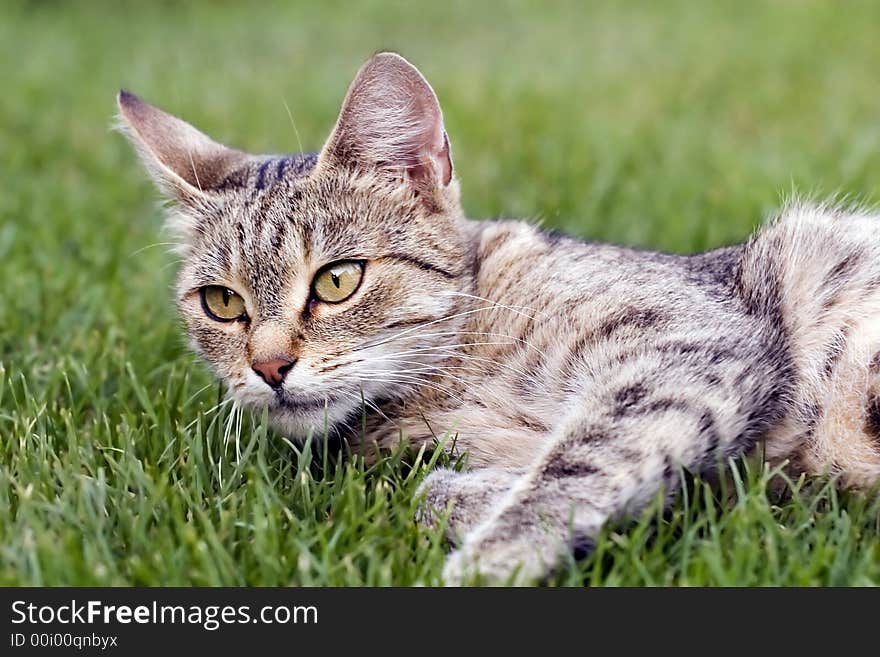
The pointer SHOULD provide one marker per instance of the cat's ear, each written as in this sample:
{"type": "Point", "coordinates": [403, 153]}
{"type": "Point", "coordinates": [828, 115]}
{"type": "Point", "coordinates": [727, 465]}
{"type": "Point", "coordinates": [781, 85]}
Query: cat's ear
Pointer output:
{"type": "Point", "coordinates": [186, 164]}
{"type": "Point", "coordinates": [391, 120]}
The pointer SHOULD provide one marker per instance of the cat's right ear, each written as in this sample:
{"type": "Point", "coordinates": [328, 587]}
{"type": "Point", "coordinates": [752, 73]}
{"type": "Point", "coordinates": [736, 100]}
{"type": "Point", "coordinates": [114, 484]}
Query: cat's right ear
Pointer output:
{"type": "Point", "coordinates": [186, 164]}
{"type": "Point", "coordinates": [391, 122]}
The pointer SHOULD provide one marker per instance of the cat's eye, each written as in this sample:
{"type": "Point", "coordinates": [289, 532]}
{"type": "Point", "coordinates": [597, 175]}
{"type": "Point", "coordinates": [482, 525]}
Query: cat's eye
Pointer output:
{"type": "Point", "coordinates": [338, 281]}
{"type": "Point", "coordinates": [222, 304]}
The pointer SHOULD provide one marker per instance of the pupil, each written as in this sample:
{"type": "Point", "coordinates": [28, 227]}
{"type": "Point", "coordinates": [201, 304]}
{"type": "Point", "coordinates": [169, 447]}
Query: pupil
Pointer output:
{"type": "Point", "coordinates": [335, 279]}
{"type": "Point", "coordinates": [225, 297]}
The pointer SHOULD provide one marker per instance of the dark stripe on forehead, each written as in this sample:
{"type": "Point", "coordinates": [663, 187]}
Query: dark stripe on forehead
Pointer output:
{"type": "Point", "coordinates": [261, 174]}
{"type": "Point", "coordinates": [267, 283]}
{"type": "Point", "coordinates": [279, 232]}
{"type": "Point", "coordinates": [304, 162]}
{"type": "Point", "coordinates": [239, 230]}
{"type": "Point", "coordinates": [417, 262]}
{"type": "Point", "coordinates": [300, 164]}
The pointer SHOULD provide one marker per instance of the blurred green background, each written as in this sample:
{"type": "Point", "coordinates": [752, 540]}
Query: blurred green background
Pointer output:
{"type": "Point", "coordinates": [675, 125]}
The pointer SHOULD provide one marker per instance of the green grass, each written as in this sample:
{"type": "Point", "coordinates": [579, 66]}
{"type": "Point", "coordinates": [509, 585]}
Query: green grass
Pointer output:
{"type": "Point", "coordinates": [669, 125]}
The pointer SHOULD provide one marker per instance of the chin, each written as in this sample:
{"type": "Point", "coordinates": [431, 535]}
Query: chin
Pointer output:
{"type": "Point", "coordinates": [297, 415]}
{"type": "Point", "coordinates": [317, 422]}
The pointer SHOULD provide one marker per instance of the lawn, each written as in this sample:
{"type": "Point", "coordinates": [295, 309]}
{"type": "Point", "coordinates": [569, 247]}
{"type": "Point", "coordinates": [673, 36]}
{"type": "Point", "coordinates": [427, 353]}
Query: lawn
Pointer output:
{"type": "Point", "coordinates": [674, 125]}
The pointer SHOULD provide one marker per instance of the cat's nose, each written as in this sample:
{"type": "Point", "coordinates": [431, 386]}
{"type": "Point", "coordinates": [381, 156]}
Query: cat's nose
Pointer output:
{"type": "Point", "coordinates": [274, 370]}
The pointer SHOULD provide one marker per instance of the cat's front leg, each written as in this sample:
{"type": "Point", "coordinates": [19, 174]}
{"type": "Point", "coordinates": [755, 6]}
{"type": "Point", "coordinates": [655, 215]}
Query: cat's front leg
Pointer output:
{"type": "Point", "coordinates": [463, 499]}
{"type": "Point", "coordinates": [601, 464]}
{"type": "Point", "coordinates": [546, 516]}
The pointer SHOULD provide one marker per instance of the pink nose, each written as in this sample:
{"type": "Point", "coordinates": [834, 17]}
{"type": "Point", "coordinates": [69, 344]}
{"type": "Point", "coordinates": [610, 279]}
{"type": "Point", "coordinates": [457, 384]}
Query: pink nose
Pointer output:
{"type": "Point", "coordinates": [274, 370]}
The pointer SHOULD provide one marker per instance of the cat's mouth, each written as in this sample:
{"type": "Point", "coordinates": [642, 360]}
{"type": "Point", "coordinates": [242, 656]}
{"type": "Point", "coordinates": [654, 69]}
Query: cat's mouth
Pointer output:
{"type": "Point", "coordinates": [293, 402]}
{"type": "Point", "coordinates": [304, 415]}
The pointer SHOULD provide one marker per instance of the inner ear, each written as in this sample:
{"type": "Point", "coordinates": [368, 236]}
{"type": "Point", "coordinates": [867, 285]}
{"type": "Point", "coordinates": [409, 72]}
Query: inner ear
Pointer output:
{"type": "Point", "coordinates": [184, 161]}
{"type": "Point", "coordinates": [391, 120]}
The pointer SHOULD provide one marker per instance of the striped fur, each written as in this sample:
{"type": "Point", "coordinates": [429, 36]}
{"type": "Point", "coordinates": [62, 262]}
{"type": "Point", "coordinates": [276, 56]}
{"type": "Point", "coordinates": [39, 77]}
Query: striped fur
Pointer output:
{"type": "Point", "coordinates": [580, 378]}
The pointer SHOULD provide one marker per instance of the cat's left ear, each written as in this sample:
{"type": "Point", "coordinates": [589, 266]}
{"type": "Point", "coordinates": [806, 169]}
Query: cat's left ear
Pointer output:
{"type": "Point", "coordinates": [186, 164]}
{"type": "Point", "coordinates": [391, 121]}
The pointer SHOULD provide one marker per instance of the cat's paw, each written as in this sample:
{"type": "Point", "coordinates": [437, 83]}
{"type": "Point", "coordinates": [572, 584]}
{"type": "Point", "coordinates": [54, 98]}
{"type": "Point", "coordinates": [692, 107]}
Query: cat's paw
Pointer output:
{"type": "Point", "coordinates": [438, 492]}
{"type": "Point", "coordinates": [463, 499]}
{"type": "Point", "coordinates": [504, 564]}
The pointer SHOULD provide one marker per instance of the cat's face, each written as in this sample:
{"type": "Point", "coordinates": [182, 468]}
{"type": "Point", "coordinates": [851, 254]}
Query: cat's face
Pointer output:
{"type": "Point", "coordinates": [315, 284]}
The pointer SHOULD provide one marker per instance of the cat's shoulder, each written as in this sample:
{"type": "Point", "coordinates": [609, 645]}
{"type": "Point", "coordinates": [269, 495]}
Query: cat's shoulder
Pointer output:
{"type": "Point", "coordinates": [512, 237]}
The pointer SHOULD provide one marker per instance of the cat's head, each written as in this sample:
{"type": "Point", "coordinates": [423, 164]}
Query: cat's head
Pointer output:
{"type": "Point", "coordinates": [315, 283]}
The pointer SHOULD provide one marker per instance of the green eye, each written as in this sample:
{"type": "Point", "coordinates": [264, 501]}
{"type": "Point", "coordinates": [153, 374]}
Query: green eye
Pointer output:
{"type": "Point", "coordinates": [338, 281]}
{"type": "Point", "coordinates": [222, 304]}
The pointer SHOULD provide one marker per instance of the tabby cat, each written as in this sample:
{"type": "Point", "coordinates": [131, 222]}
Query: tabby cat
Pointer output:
{"type": "Point", "coordinates": [346, 292]}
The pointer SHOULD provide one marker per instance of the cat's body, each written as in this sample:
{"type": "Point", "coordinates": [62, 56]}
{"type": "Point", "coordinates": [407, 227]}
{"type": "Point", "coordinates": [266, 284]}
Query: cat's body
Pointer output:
{"type": "Point", "coordinates": [579, 378]}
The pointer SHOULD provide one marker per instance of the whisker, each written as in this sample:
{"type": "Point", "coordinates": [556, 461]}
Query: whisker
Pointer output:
{"type": "Point", "coordinates": [459, 356]}
{"type": "Point", "coordinates": [362, 398]}
{"type": "Point", "coordinates": [240, 419]}
{"type": "Point", "coordinates": [515, 309]}
{"type": "Point", "coordinates": [416, 350]}
{"type": "Point", "coordinates": [426, 324]}
{"type": "Point", "coordinates": [152, 246]}
{"type": "Point", "coordinates": [213, 409]}
{"type": "Point", "coordinates": [485, 333]}
{"type": "Point", "coordinates": [195, 173]}
{"type": "Point", "coordinates": [412, 373]}
{"type": "Point", "coordinates": [292, 123]}
{"type": "Point", "coordinates": [336, 365]}
{"type": "Point", "coordinates": [418, 381]}
{"type": "Point", "coordinates": [439, 372]}
{"type": "Point", "coordinates": [444, 350]}
{"type": "Point", "coordinates": [170, 264]}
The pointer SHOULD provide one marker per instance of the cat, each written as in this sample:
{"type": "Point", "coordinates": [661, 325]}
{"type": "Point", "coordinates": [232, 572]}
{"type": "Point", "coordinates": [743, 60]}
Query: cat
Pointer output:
{"type": "Point", "coordinates": [346, 292]}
